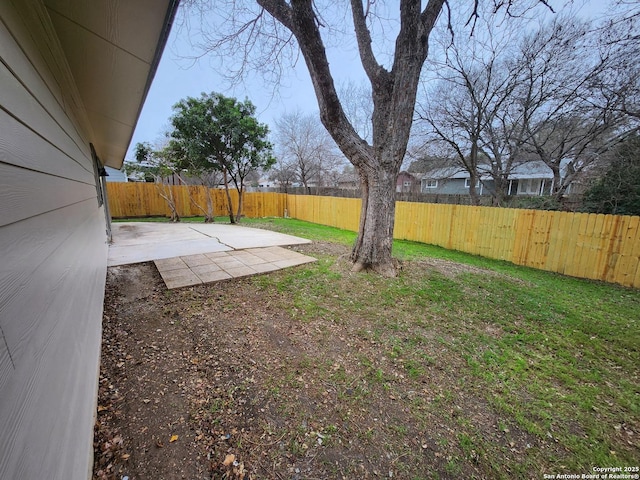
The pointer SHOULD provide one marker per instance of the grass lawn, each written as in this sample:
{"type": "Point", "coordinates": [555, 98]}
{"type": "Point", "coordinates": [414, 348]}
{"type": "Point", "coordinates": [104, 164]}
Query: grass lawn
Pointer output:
{"type": "Point", "coordinates": [482, 368]}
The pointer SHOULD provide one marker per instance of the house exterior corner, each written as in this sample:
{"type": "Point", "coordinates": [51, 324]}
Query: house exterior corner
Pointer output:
{"type": "Point", "coordinates": [53, 225]}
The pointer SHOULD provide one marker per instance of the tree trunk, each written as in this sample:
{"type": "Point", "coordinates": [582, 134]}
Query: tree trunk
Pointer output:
{"type": "Point", "coordinates": [558, 187]}
{"type": "Point", "coordinates": [208, 212]}
{"type": "Point", "coordinates": [175, 216]}
{"type": "Point", "coordinates": [166, 192]}
{"type": "Point", "coordinates": [372, 250]}
{"type": "Point", "coordinates": [473, 192]}
{"type": "Point", "coordinates": [500, 190]}
{"type": "Point", "coordinates": [240, 202]}
{"type": "Point", "coordinates": [229, 204]}
{"type": "Point", "coordinates": [211, 214]}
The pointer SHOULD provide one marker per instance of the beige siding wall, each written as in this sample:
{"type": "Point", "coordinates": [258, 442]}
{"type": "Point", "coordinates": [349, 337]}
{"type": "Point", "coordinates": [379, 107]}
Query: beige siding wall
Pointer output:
{"type": "Point", "coordinates": [53, 250]}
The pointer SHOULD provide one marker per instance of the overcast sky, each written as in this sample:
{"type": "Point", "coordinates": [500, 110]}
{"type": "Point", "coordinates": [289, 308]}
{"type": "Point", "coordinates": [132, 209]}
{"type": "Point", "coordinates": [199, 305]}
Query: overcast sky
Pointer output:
{"type": "Point", "coordinates": [177, 78]}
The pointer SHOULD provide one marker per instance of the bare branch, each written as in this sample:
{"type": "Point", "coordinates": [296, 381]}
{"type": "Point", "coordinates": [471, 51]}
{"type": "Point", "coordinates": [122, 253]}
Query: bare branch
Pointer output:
{"type": "Point", "coordinates": [371, 66]}
{"type": "Point", "coordinates": [301, 19]}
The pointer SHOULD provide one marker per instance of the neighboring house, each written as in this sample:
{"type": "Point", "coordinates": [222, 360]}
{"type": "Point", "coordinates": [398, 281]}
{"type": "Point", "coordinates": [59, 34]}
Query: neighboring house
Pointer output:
{"type": "Point", "coordinates": [262, 184]}
{"type": "Point", "coordinates": [115, 175]}
{"type": "Point", "coordinates": [265, 182]}
{"type": "Point", "coordinates": [450, 181]}
{"type": "Point", "coordinates": [531, 178]}
{"type": "Point", "coordinates": [407, 182]}
{"type": "Point", "coordinates": [135, 171]}
{"type": "Point", "coordinates": [73, 77]}
{"type": "Point", "coordinates": [348, 181]}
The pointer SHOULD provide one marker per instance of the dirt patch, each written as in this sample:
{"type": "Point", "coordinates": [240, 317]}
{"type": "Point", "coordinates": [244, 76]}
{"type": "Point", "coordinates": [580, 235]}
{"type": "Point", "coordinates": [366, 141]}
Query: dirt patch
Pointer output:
{"type": "Point", "coordinates": [143, 426]}
{"type": "Point", "coordinates": [230, 381]}
{"type": "Point", "coordinates": [448, 268]}
{"type": "Point", "coordinates": [323, 248]}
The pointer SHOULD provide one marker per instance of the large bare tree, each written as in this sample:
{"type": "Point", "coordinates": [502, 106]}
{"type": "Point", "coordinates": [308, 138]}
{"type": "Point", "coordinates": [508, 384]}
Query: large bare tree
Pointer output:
{"type": "Point", "coordinates": [471, 88]}
{"type": "Point", "coordinates": [394, 94]}
{"type": "Point", "coordinates": [561, 94]}
{"type": "Point", "coordinates": [562, 88]}
{"type": "Point", "coordinates": [467, 111]}
{"type": "Point", "coordinates": [618, 47]}
{"type": "Point", "coordinates": [303, 23]}
{"type": "Point", "coordinates": [303, 142]}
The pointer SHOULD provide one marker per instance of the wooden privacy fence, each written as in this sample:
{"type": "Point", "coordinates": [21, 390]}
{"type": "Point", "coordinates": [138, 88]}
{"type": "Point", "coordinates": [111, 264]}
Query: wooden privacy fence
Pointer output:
{"type": "Point", "coordinates": [586, 245]}
{"type": "Point", "coordinates": [136, 199]}
{"type": "Point", "coordinates": [599, 247]}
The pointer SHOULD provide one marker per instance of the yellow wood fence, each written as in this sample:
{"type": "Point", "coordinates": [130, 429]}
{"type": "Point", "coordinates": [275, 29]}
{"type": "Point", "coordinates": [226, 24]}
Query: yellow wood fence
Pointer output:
{"type": "Point", "coordinates": [599, 247]}
{"type": "Point", "coordinates": [136, 199]}
{"type": "Point", "coordinates": [586, 245]}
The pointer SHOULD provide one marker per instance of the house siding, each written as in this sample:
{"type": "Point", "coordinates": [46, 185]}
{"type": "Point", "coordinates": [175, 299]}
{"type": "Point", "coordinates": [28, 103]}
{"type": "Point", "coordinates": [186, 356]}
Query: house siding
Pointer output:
{"type": "Point", "coordinates": [447, 186]}
{"type": "Point", "coordinates": [54, 251]}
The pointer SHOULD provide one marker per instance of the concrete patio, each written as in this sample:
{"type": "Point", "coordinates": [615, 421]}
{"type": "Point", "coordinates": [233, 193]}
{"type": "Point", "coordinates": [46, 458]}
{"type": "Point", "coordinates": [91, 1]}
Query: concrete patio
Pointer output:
{"type": "Point", "coordinates": [190, 254]}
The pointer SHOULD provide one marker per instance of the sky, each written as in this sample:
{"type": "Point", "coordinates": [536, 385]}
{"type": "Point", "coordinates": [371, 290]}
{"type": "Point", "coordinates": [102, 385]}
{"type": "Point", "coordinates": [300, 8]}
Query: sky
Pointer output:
{"type": "Point", "coordinates": [178, 77]}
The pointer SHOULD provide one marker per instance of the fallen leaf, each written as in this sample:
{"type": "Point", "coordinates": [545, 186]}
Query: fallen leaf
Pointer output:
{"type": "Point", "coordinates": [229, 459]}
{"type": "Point", "coordinates": [125, 456]}
{"type": "Point", "coordinates": [173, 438]}
{"type": "Point", "coordinates": [101, 408]}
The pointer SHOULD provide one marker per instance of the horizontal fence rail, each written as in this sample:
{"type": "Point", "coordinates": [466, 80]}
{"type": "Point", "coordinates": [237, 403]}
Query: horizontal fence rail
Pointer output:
{"type": "Point", "coordinates": [586, 245]}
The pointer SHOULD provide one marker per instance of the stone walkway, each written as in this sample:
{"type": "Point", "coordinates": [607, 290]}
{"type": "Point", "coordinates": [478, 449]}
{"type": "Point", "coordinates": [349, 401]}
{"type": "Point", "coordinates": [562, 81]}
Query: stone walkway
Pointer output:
{"type": "Point", "coordinates": [211, 267]}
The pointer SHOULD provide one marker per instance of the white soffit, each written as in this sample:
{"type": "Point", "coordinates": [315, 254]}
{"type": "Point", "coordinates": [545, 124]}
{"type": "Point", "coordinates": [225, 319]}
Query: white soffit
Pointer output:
{"type": "Point", "coordinates": [112, 47]}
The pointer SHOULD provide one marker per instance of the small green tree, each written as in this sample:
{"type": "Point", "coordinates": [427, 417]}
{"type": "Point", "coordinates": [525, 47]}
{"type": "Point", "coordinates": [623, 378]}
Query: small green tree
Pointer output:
{"type": "Point", "coordinates": [218, 133]}
{"type": "Point", "coordinates": [618, 191]}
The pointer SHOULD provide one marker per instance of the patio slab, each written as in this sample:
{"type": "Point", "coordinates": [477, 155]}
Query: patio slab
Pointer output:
{"type": "Point", "coordinates": [222, 268]}
{"type": "Point", "coordinates": [187, 254]}
{"type": "Point", "coordinates": [135, 242]}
